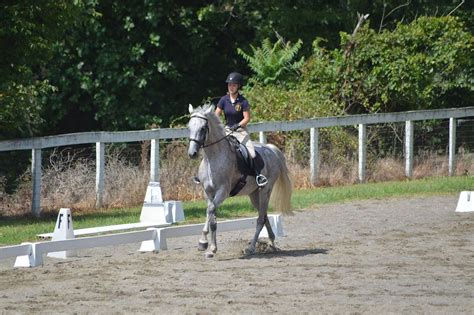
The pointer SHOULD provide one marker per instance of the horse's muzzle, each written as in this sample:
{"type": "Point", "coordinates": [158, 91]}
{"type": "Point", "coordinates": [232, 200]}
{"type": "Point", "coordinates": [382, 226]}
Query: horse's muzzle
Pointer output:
{"type": "Point", "coordinates": [193, 150]}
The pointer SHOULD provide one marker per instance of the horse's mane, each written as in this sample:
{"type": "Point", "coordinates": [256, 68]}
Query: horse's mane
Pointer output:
{"type": "Point", "coordinates": [211, 116]}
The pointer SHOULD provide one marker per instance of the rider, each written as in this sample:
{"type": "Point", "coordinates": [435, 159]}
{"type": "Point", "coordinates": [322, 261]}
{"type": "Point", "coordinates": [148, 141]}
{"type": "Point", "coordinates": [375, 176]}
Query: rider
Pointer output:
{"type": "Point", "coordinates": [236, 111]}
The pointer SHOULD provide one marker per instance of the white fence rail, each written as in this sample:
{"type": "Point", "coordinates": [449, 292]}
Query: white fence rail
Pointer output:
{"type": "Point", "coordinates": [100, 138]}
{"type": "Point", "coordinates": [152, 239]}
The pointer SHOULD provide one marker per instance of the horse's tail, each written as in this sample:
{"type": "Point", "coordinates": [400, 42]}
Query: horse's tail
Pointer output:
{"type": "Point", "coordinates": [280, 198]}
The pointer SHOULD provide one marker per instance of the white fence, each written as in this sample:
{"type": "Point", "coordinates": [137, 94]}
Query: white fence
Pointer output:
{"type": "Point", "coordinates": [101, 138]}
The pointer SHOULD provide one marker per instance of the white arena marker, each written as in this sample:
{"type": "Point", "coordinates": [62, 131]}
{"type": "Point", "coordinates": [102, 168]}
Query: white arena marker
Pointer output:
{"type": "Point", "coordinates": [153, 193]}
{"type": "Point", "coordinates": [63, 231]}
{"type": "Point", "coordinates": [154, 209]}
{"type": "Point", "coordinates": [466, 202]}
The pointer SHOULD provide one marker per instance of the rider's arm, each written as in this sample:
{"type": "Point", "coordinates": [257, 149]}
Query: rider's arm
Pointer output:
{"type": "Point", "coordinates": [218, 111]}
{"type": "Point", "coordinates": [243, 123]}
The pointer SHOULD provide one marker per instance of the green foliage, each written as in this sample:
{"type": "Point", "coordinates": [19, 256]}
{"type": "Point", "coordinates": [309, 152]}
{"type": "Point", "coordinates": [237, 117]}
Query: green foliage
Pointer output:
{"type": "Point", "coordinates": [20, 113]}
{"type": "Point", "coordinates": [421, 65]}
{"type": "Point", "coordinates": [428, 63]}
{"type": "Point", "coordinates": [27, 33]}
{"type": "Point", "coordinates": [273, 63]}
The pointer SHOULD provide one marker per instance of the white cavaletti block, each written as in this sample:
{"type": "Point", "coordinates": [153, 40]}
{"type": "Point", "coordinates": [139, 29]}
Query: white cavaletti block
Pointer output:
{"type": "Point", "coordinates": [26, 260]}
{"type": "Point", "coordinates": [466, 202]}
{"type": "Point", "coordinates": [277, 226]}
{"type": "Point", "coordinates": [175, 211]}
{"type": "Point", "coordinates": [154, 209]}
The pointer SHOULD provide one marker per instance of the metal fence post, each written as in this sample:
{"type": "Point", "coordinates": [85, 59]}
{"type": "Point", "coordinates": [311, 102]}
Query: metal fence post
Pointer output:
{"type": "Point", "coordinates": [155, 160]}
{"type": "Point", "coordinates": [362, 151]}
{"type": "Point", "coordinates": [314, 149]}
{"type": "Point", "coordinates": [99, 175]}
{"type": "Point", "coordinates": [409, 148]}
{"type": "Point", "coordinates": [36, 178]}
{"type": "Point", "coordinates": [452, 147]}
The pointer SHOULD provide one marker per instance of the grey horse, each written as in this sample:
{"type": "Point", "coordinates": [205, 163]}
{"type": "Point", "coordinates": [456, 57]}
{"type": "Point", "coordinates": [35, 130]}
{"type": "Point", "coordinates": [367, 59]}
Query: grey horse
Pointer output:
{"type": "Point", "coordinates": [219, 174]}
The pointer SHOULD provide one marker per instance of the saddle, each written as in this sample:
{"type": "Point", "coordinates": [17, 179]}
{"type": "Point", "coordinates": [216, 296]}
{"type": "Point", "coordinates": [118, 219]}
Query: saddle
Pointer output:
{"type": "Point", "coordinates": [245, 163]}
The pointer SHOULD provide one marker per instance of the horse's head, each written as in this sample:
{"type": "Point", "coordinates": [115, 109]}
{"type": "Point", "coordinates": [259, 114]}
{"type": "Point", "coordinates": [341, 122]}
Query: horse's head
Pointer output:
{"type": "Point", "coordinates": [198, 128]}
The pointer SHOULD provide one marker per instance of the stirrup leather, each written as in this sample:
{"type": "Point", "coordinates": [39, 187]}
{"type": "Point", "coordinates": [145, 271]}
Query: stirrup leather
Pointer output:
{"type": "Point", "coordinates": [261, 180]}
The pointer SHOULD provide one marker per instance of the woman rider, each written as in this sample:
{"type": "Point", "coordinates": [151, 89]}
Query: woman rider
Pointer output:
{"type": "Point", "coordinates": [236, 111]}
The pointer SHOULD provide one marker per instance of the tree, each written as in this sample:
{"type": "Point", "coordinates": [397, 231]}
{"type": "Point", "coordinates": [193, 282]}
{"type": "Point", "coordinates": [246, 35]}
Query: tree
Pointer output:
{"type": "Point", "coordinates": [27, 33]}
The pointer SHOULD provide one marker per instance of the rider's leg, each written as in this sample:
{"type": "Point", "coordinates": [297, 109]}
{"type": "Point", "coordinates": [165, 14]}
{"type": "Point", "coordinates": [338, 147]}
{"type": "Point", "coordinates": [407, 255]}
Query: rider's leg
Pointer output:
{"type": "Point", "coordinates": [257, 167]}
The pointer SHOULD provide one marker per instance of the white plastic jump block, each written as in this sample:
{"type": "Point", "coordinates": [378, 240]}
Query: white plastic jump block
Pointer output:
{"type": "Point", "coordinates": [156, 211]}
{"type": "Point", "coordinates": [466, 202]}
{"type": "Point", "coordinates": [24, 255]}
{"type": "Point", "coordinates": [162, 213]}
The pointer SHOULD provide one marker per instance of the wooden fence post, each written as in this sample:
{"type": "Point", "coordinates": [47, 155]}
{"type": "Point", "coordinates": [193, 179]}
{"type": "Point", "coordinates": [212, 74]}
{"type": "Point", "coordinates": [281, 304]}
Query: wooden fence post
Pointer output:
{"type": "Point", "coordinates": [362, 151]}
{"type": "Point", "coordinates": [36, 178]}
{"type": "Point", "coordinates": [155, 160]}
{"type": "Point", "coordinates": [314, 150]}
{"type": "Point", "coordinates": [99, 175]}
{"type": "Point", "coordinates": [409, 148]}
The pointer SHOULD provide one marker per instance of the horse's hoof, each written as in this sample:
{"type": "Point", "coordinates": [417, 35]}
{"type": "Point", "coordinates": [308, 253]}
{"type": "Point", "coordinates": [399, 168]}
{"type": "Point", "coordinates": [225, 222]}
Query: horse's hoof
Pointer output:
{"type": "Point", "coordinates": [271, 249]}
{"type": "Point", "coordinates": [249, 251]}
{"type": "Point", "coordinates": [202, 246]}
{"type": "Point", "coordinates": [209, 255]}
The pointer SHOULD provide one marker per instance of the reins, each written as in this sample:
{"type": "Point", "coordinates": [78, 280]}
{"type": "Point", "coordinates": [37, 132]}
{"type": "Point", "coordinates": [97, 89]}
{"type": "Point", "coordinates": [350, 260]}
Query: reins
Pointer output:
{"type": "Point", "coordinates": [207, 131]}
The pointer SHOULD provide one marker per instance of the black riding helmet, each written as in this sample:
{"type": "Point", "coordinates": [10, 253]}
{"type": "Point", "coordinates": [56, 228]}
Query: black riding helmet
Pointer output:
{"type": "Point", "coordinates": [235, 77]}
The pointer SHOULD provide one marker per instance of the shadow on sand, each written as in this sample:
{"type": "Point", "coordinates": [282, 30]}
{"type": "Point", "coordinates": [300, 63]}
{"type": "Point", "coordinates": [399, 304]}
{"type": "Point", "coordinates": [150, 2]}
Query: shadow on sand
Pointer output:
{"type": "Point", "coordinates": [286, 253]}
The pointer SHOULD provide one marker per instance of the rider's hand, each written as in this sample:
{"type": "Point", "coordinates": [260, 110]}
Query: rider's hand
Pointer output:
{"type": "Point", "coordinates": [234, 127]}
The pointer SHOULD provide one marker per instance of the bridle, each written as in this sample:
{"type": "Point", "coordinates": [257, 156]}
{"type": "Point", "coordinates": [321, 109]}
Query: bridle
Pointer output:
{"type": "Point", "coordinates": [206, 132]}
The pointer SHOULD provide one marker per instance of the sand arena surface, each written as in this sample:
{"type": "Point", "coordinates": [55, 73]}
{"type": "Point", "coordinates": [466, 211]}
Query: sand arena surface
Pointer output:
{"type": "Point", "coordinates": [411, 255]}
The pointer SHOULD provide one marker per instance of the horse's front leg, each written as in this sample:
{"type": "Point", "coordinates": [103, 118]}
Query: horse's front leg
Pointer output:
{"type": "Point", "coordinates": [212, 221]}
{"type": "Point", "coordinates": [203, 244]}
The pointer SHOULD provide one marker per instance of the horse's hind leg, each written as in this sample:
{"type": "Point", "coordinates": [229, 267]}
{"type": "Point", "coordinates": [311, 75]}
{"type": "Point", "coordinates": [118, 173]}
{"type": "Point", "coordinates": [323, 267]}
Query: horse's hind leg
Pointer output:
{"type": "Point", "coordinates": [260, 199]}
{"type": "Point", "coordinates": [271, 235]}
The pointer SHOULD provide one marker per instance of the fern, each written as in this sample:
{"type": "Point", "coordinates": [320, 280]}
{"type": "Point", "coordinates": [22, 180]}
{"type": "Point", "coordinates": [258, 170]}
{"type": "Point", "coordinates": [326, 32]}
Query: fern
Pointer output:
{"type": "Point", "coordinates": [272, 62]}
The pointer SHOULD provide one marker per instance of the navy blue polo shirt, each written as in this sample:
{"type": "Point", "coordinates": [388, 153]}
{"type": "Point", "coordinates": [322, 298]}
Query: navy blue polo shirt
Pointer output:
{"type": "Point", "coordinates": [233, 112]}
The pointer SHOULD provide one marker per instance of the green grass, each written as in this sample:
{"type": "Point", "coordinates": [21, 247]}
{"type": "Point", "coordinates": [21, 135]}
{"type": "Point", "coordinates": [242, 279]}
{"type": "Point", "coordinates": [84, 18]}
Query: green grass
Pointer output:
{"type": "Point", "coordinates": [14, 230]}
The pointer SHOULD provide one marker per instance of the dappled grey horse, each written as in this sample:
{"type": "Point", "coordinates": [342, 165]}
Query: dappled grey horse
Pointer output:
{"type": "Point", "coordinates": [219, 174]}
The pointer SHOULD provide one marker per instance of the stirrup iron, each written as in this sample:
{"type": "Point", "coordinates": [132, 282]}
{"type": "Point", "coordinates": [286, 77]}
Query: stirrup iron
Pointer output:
{"type": "Point", "coordinates": [261, 180]}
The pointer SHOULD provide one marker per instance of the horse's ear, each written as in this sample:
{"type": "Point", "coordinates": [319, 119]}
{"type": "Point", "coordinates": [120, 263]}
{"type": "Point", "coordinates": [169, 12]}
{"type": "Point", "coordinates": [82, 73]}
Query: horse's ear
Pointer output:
{"type": "Point", "coordinates": [210, 109]}
{"type": "Point", "coordinates": [191, 109]}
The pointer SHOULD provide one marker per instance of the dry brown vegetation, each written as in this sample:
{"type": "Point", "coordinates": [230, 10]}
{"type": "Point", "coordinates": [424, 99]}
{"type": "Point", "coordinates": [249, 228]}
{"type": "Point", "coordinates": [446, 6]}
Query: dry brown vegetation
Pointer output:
{"type": "Point", "coordinates": [69, 180]}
